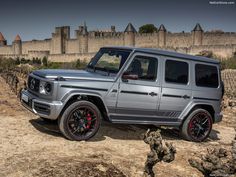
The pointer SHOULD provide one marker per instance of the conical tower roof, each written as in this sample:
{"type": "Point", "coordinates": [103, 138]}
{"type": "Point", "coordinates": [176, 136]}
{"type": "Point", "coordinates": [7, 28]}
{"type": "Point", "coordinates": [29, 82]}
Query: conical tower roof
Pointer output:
{"type": "Point", "coordinates": [162, 28]}
{"type": "Point", "coordinates": [197, 27]}
{"type": "Point", "coordinates": [2, 37]}
{"type": "Point", "coordinates": [130, 28]}
{"type": "Point", "coordinates": [17, 38]}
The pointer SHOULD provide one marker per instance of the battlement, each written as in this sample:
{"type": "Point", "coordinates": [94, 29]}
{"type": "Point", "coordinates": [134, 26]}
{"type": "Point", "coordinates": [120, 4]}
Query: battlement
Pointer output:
{"type": "Point", "coordinates": [84, 41]}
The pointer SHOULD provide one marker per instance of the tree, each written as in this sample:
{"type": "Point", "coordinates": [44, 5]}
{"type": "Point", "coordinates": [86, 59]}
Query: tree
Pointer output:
{"type": "Point", "coordinates": [148, 28]}
{"type": "Point", "coordinates": [45, 61]}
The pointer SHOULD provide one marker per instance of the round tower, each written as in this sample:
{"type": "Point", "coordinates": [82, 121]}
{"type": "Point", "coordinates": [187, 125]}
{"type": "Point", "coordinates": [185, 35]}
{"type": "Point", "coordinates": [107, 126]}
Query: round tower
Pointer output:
{"type": "Point", "coordinates": [197, 35]}
{"type": "Point", "coordinates": [129, 35]}
{"type": "Point", "coordinates": [83, 39]}
{"type": "Point", "coordinates": [17, 46]}
{"type": "Point", "coordinates": [162, 36]}
{"type": "Point", "coordinates": [3, 41]}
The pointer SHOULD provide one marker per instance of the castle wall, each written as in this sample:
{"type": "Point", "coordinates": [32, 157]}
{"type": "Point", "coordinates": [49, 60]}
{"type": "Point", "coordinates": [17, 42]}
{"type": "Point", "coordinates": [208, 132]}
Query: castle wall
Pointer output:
{"type": "Point", "coordinates": [56, 44]}
{"type": "Point", "coordinates": [70, 57]}
{"type": "Point", "coordinates": [146, 40]}
{"type": "Point", "coordinates": [72, 46]}
{"type": "Point", "coordinates": [61, 48]}
{"type": "Point", "coordinates": [219, 38]}
{"type": "Point", "coordinates": [6, 50]}
{"type": "Point", "coordinates": [38, 54]}
{"type": "Point", "coordinates": [95, 43]}
{"type": "Point", "coordinates": [36, 45]}
{"type": "Point", "coordinates": [223, 51]}
{"type": "Point", "coordinates": [178, 40]}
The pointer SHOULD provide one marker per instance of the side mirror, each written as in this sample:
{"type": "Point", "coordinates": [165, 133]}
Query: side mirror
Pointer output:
{"type": "Point", "coordinates": [128, 76]}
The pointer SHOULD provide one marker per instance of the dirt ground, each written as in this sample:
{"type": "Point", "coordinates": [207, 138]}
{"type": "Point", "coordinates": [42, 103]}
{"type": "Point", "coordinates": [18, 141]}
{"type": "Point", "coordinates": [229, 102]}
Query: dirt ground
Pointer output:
{"type": "Point", "coordinates": [31, 147]}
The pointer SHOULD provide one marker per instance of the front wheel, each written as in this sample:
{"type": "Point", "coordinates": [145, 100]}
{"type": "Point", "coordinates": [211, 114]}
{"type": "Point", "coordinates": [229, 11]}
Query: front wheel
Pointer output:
{"type": "Point", "coordinates": [197, 126]}
{"type": "Point", "coordinates": [80, 121]}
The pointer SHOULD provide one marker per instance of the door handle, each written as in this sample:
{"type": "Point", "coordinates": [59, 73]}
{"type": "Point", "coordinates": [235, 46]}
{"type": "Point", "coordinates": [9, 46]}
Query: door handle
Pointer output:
{"type": "Point", "coordinates": [185, 97]}
{"type": "Point", "coordinates": [153, 94]}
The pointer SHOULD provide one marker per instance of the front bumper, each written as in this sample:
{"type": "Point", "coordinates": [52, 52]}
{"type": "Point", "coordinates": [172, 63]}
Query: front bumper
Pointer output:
{"type": "Point", "coordinates": [218, 117]}
{"type": "Point", "coordinates": [41, 107]}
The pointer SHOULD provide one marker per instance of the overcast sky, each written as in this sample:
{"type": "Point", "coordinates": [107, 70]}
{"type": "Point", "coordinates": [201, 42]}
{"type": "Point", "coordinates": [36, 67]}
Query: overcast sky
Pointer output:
{"type": "Point", "coordinates": [36, 19]}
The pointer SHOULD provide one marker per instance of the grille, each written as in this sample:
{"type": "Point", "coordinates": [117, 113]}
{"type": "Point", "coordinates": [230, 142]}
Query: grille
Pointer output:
{"type": "Point", "coordinates": [33, 84]}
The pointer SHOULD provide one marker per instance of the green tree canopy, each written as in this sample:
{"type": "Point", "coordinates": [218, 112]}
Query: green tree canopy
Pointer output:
{"type": "Point", "coordinates": [148, 28]}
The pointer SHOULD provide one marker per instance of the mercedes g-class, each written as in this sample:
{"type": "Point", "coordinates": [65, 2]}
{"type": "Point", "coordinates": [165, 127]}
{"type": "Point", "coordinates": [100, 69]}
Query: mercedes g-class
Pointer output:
{"type": "Point", "coordinates": [132, 86]}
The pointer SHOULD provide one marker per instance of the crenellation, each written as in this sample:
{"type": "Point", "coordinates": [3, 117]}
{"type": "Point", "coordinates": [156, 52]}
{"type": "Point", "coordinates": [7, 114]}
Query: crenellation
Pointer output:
{"type": "Point", "coordinates": [222, 44]}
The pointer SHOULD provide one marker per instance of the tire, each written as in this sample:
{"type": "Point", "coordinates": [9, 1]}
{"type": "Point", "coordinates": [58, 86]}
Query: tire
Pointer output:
{"type": "Point", "coordinates": [80, 121]}
{"type": "Point", "coordinates": [197, 126]}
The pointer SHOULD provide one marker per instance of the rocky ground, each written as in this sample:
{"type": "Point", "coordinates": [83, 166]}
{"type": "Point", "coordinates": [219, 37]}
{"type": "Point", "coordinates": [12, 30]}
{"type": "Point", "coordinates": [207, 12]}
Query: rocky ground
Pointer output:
{"type": "Point", "coordinates": [31, 147]}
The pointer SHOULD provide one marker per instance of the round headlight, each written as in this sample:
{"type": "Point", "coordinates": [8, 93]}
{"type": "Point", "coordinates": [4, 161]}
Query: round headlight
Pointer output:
{"type": "Point", "coordinates": [48, 87]}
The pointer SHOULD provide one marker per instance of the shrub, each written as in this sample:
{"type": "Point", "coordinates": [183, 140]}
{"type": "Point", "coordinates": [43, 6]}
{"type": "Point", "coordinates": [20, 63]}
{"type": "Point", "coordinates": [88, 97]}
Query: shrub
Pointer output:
{"type": "Point", "coordinates": [229, 63]}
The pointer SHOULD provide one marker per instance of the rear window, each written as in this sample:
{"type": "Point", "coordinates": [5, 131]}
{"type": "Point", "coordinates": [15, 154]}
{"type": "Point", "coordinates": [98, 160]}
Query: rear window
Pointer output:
{"type": "Point", "coordinates": [206, 76]}
{"type": "Point", "coordinates": [176, 72]}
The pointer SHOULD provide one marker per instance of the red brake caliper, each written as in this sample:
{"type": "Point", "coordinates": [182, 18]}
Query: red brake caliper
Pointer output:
{"type": "Point", "coordinates": [89, 121]}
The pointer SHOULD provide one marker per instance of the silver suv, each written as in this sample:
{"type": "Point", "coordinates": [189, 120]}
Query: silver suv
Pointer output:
{"type": "Point", "coordinates": [131, 86]}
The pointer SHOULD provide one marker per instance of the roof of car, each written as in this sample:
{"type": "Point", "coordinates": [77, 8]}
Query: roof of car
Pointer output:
{"type": "Point", "coordinates": [167, 53]}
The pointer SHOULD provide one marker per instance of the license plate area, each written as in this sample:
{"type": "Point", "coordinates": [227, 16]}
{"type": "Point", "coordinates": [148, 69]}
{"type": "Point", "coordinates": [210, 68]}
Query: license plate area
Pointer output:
{"type": "Point", "coordinates": [25, 98]}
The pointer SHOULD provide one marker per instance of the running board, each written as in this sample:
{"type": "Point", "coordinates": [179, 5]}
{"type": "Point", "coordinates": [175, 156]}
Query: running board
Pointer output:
{"type": "Point", "coordinates": [145, 120]}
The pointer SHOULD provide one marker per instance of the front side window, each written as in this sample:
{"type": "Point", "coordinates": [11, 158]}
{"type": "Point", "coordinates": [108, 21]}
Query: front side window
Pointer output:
{"type": "Point", "coordinates": [109, 60]}
{"type": "Point", "coordinates": [144, 67]}
{"type": "Point", "coordinates": [206, 76]}
{"type": "Point", "coordinates": [176, 72]}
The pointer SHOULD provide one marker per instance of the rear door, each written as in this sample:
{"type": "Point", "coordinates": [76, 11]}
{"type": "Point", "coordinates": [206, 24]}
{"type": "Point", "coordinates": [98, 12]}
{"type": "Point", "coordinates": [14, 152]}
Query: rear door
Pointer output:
{"type": "Point", "coordinates": [176, 87]}
{"type": "Point", "coordinates": [138, 99]}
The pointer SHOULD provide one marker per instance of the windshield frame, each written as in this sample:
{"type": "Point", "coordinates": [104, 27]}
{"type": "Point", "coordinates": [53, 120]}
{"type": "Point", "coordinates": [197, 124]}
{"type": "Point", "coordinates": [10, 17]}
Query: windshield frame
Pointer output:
{"type": "Point", "coordinates": [93, 62]}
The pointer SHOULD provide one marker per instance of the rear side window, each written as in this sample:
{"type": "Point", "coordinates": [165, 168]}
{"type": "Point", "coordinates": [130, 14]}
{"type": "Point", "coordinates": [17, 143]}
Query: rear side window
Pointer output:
{"type": "Point", "coordinates": [176, 72]}
{"type": "Point", "coordinates": [206, 76]}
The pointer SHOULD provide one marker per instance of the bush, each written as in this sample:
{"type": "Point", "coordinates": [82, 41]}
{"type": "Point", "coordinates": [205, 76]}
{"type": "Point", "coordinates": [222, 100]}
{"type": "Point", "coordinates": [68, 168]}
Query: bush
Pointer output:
{"type": "Point", "coordinates": [45, 61]}
{"type": "Point", "coordinates": [229, 63]}
{"type": "Point", "coordinates": [80, 64]}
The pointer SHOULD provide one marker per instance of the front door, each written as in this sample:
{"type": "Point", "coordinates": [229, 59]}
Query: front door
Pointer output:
{"type": "Point", "coordinates": [139, 92]}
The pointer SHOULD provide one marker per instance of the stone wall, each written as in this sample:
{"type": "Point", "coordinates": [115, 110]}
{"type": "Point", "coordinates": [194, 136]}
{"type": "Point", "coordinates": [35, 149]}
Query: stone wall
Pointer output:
{"type": "Point", "coordinates": [70, 57]}
{"type": "Point", "coordinates": [36, 45]}
{"type": "Point", "coordinates": [95, 43]}
{"type": "Point", "coordinates": [176, 40]}
{"type": "Point", "coordinates": [6, 50]}
{"type": "Point", "coordinates": [223, 51]}
{"type": "Point", "coordinates": [222, 44]}
{"type": "Point", "coordinates": [146, 40]}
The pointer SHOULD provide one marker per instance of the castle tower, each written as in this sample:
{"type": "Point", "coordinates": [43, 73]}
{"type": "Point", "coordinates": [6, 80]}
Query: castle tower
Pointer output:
{"type": "Point", "coordinates": [3, 41]}
{"type": "Point", "coordinates": [113, 29]}
{"type": "Point", "coordinates": [129, 35]}
{"type": "Point", "coordinates": [197, 34]}
{"type": "Point", "coordinates": [59, 38]}
{"type": "Point", "coordinates": [162, 36]}
{"type": "Point", "coordinates": [83, 39]}
{"type": "Point", "coordinates": [17, 46]}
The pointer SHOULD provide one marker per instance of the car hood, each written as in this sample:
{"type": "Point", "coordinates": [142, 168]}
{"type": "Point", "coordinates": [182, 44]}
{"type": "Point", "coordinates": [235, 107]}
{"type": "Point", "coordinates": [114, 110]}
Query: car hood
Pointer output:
{"type": "Point", "coordinates": [71, 74]}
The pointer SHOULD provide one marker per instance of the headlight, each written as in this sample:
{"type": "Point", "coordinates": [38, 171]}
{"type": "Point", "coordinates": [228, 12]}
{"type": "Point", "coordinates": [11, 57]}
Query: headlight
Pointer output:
{"type": "Point", "coordinates": [45, 88]}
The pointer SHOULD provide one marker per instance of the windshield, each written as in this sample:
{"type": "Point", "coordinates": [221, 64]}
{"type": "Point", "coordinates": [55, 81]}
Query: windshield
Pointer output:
{"type": "Point", "coordinates": [109, 60]}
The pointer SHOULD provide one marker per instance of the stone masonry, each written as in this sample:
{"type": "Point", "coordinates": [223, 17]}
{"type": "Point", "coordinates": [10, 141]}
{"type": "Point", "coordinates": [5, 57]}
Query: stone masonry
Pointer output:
{"type": "Point", "coordinates": [61, 47]}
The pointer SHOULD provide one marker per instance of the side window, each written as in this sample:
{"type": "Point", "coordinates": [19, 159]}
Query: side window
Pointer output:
{"type": "Point", "coordinates": [206, 76]}
{"type": "Point", "coordinates": [144, 67]}
{"type": "Point", "coordinates": [176, 72]}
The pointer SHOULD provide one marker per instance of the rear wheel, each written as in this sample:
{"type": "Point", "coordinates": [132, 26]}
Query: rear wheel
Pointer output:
{"type": "Point", "coordinates": [197, 126]}
{"type": "Point", "coordinates": [80, 121]}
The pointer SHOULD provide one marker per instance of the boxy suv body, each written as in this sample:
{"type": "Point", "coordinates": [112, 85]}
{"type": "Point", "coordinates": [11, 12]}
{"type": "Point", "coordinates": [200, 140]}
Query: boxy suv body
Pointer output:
{"type": "Point", "coordinates": [131, 86]}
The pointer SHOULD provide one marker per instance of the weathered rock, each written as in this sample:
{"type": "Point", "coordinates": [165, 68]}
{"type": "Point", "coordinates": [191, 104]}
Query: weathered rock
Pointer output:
{"type": "Point", "coordinates": [217, 161]}
{"type": "Point", "coordinates": [159, 151]}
